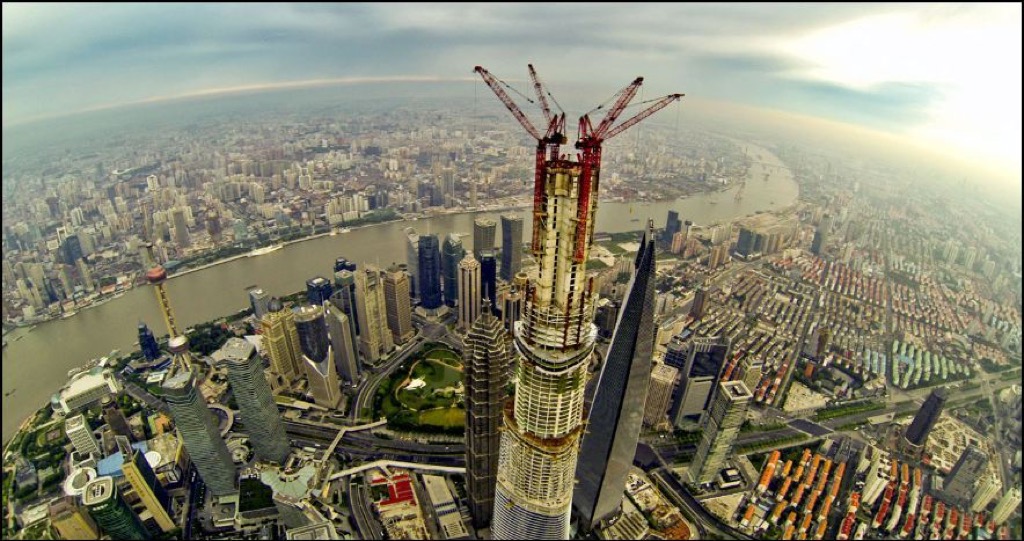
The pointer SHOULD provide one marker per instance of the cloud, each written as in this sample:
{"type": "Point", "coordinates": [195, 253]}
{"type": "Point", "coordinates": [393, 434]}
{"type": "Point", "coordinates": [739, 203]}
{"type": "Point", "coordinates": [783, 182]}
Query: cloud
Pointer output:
{"type": "Point", "coordinates": [903, 68]}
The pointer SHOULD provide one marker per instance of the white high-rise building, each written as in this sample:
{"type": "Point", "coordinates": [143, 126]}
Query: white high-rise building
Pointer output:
{"type": "Point", "coordinates": [1007, 505]}
{"type": "Point", "coordinates": [343, 346]}
{"type": "Point", "coordinates": [375, 339]}
{"type": "Point", "coordinates": [663, 380]}
{"type": "Point", "coordinates": [469, 291]}
{"type": "Point", "coordinates": [987, 490]}
{"type": "Point", "coordinates": [81, 436]}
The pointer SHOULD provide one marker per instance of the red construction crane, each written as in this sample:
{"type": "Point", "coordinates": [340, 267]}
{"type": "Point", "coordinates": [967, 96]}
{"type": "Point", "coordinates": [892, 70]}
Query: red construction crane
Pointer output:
{"type": "Point", "coordinates": [589, 144]}
{"type": "Point", "coordinates": [547, 144]}
{"type": "Point", "coordinates": [539, 89]}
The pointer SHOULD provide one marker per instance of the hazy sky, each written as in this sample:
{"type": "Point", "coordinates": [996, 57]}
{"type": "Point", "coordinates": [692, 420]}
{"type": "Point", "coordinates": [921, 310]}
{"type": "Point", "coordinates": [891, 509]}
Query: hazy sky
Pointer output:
{"type": "Point", "coordinates": [945, 74]}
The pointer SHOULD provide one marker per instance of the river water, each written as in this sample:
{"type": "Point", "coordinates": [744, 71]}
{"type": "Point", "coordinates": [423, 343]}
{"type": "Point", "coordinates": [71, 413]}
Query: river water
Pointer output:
{"type": "Point", "coordinates": [36, 365]}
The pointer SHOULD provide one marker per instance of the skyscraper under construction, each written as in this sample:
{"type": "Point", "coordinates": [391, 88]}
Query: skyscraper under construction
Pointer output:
{"type": "Point", "coordinates": [555, 338]}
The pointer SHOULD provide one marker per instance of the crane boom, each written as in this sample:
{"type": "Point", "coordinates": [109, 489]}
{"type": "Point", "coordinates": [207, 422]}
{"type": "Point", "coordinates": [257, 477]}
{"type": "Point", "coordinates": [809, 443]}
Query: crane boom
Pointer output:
{"type": "Point", "coordinates": [659, 105]}
{"type": "Point", "coordinates": [509, 104]}
{"type": "Point", "coordinates": [539, 89]}
{"type": "Point", "coordinates": [625, 97]}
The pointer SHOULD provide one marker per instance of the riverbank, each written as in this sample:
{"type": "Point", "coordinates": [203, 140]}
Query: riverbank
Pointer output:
{"type": "Point", "coordinates": [37, 363]}
{"type": "Point", "coordinates": [404, 218]}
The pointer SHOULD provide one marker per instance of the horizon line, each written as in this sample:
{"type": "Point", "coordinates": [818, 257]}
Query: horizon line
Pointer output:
{"type": "Point", "coordinates": [239, 89]}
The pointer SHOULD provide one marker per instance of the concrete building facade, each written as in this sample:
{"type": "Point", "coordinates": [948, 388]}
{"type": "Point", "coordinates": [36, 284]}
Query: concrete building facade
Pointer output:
{"type": "Point", "coordinates": [719, 430]}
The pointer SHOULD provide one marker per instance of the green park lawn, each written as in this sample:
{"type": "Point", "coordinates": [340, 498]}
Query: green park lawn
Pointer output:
{"type": "Point", "coordinates": [443, 417]}
{"type": "Point", "coordinates": [436, 375]}
{"type": "Point", "coordinates": [439, 368]}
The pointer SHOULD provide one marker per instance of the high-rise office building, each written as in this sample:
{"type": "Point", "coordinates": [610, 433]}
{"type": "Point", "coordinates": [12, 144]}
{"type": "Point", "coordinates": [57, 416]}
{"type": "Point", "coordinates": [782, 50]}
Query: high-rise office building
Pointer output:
{"type": "Point", "coordinates": [199, 431]}
{"type": "Point", "coordinates": [617, 413]}
{"type": "Point", "coordinates": [719, 256]}
{"type": "Point", "coordinates": [746, 243]}
{"type": "Point", "coordinates": [676, 353]}
{"type": "Point", "coordinates": [677, 242]}
{"type": "Point", "coordinates": [104, 502]}
{"type": "Point", "coordinates": [987, 490]}
{"type": "Point", "coordinates": [958, 487]}
{"type": "Point", "coordinates": [342, 263]}
{"type": "Point", "coordinates": [700, 299]}
{"type": "Point", "coordinates": [72, 249]}
{"type": "Point", "coordinates": [818, 242]}
{"type": "Point", "coordinates": [469, 290]}
{"type": "Point", "coordinates": [452, 253]}
{"type": "Point", "coordinates": [412, 257]}
{"type": "Point", "coordinates": [484, 230]}
{"type": "Point", "coordinates": [318, 290]}
{"type": "Point", "coordinates": [213, 226]}
{"type": "Point", "coordinates": [488, 356]}
{"type": "Point", "coordinates": [181, 236]}
{"type": "Point", "coordinates": [705, 358]}
{"type": "Point", "coordinates": [916, 435]}
{"type": "Point", "coordinates": [663, 380]}
{"type": "Point", "coordinates": [281, 340]}
{"type": "Point", "coordinates": [488, 277]}
{"type": "Point", "coordinates": [140, 475]}
{"type": "Point", "coordinates": [375, 342]}
{"type": "Point", "coordinates": [555, 340]}
{"type": "Point", "coordinates": [1007, 505]}
{"type": "Point", "coordinates": [430, 272]}
{"type": "Point", "coordinates": [323, 381]}
{"type": "Point", "coordinates": [719, 429]}
{"type": "Point", "coordinates": [78, 431]}
{"type": "Point", "coordinates": [72, 521]}
{"type": "Point", "coordinates": [398, 304]}
{"type": "Point", "coordinates": [312, 330]}
{"type": "Point", "coordinates": [751, 370]}
{"type": "Point", "coordinates": [147, 343]}
{"type": "Point", "coordinates": [255, 403]}
{"type": "Point", "coordinates": [511, 302]}
{"type": "Point", "coordinates": [115, 419]}
{"type": "Point", "coordinates": [343, 344]}
{"type": "Point", "coordinates": [260, 302]}
{"type": "Point", "coordinates": [673, 225]}
{"type": "Point", "coordinates": [511, 246]}
{"type": "Point", "coordinates": [317, 356]}
{"type": "Point", "coordinates": [344, 297]}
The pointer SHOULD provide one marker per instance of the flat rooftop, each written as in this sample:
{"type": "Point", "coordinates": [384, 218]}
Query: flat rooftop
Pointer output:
{"type": "Point", "coordinates": [737, 390]}
{"type": "Point", "coordinates": [235, 349]}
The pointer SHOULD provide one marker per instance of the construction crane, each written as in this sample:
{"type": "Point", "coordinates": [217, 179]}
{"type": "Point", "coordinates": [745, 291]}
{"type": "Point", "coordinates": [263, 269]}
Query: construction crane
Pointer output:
{"type": "Point", "coordinates": [589, 142]}
{"type": "Point", "coordinates": [548, 143]}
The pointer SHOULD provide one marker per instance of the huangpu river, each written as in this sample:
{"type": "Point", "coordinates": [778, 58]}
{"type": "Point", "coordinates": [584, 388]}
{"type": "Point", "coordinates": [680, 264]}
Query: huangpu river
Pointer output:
{"type": "Point", "coordinates": [36, 364]}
